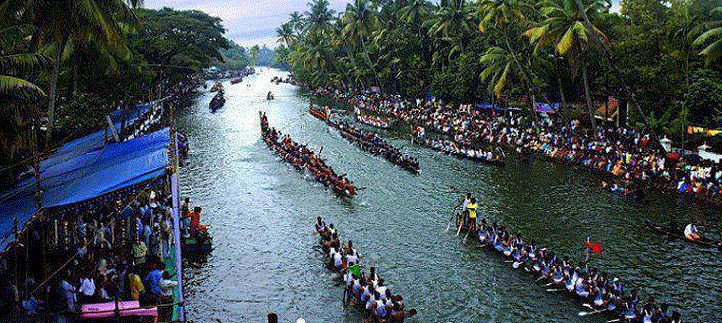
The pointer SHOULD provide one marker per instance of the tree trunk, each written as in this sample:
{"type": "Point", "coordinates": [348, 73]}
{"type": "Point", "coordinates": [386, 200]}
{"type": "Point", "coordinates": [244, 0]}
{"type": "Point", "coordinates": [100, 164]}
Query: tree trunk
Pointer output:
{"type": "Point", "coordinates": [627, 91]}
{"type": "Point", "coordinates": [371, 65]}
{"type": "Point", "coordinates": [353, 61]}
{"type": "Point", "coordinates": [589, 100]}
{"type": "Point", "coordinates": [559, 84]}
{"type": "Point", "coordinates": [522, 69]}
{"type": "Point", "coordinates": [52, 88]}
{"type": "Point", "coordinates": [74, 91]}
{"type": "Point", "coordinates": [36, 163]}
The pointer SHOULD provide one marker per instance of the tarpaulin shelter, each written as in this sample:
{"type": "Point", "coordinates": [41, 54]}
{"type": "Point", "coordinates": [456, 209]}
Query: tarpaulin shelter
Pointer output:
{"type": "Point", "coordinates": [84, 169]}
{"type": "Point", "coordinates": [546, 108]}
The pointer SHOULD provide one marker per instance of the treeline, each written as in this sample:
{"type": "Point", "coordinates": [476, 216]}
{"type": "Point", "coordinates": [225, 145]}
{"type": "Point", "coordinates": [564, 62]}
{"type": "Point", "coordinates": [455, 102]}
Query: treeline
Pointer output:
{"type": "Point", "coordinates": [65, 64]}
{"type": "Point", "coordinates": [663, 55]}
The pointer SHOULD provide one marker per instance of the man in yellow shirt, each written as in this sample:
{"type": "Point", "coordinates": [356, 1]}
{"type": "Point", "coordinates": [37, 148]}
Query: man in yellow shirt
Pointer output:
{"type": "Point", "coordinates": [471, 208]}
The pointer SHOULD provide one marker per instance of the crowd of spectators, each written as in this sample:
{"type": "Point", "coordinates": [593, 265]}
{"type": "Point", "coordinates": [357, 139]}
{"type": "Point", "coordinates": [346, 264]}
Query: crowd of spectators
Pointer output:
{"type": "Point", "coordinates": [628, 155]}
{"type": "Point", "coordinates": [117, 247]}
{"type": "Point", "coordinates": [114, 248]}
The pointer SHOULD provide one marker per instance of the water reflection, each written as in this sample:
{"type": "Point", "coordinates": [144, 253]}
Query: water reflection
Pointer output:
{"type": "Point", "coordinates": [261, 211]}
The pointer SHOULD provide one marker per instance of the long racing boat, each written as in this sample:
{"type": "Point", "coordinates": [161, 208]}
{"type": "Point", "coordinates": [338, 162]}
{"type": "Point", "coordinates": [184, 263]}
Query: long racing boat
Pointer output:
{"type": "Point", "coordinates": [304, 159]}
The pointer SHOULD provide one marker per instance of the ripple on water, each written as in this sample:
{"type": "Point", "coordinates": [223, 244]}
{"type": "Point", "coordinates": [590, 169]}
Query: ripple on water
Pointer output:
{"type": "Point", "coordinates": [261, 211]}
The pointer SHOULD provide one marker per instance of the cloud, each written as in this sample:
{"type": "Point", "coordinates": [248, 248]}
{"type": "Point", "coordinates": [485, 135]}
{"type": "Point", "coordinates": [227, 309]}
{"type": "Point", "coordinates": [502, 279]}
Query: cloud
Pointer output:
{"type": "Point", "coordinates": [247, 22]}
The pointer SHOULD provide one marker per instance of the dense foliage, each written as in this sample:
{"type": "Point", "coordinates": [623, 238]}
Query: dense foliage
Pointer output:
{"type": "Point", "coordinates": [508, 50]}
{"type": "Point", "coordinates": [64, 64]}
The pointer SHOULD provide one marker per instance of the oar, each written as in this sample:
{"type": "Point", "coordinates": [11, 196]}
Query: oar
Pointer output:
{"type": "Point", "coordinates": [460, 225]}
{"type": "Point", "coordinates": [467, 235]}
{"type": "Point", "coordinates": [614, 320]}
{"type": "Point", "coordinates": [451, 219]}
{"type": "Point", "coordinates": [592, 312]}
{"type": "Point", "coordinates": [555, 289]}
{"type": "Point", "coordinates": [588, 305]}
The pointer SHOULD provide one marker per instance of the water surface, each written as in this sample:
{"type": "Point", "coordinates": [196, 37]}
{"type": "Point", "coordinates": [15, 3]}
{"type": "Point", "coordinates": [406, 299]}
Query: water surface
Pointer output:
{"type": "Point", "coordinates": [261, 211]}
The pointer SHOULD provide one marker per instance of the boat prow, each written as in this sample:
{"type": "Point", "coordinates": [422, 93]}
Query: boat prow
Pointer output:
{"type": "Point", "coordinates": [199, 245]}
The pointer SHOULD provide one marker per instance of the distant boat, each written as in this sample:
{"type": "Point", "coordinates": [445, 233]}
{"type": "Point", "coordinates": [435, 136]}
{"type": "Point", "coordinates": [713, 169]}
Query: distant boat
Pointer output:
{"type": "Point", "coordinates": [217, 87]}
{"type": "Point", "coordinates": [318, 112]}
{"type": "Point", "coordinates": [269, 96]}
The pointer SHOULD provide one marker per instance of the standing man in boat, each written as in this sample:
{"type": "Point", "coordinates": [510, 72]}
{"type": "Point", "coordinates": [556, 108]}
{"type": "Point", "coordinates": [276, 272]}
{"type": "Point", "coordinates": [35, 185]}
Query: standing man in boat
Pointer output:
{"type": "Point", "coordinates": [463, 202]}
{"type": "Point", "coordinates": [691, 233]}
{"type": "Point", "coordinates": [471, 208]}
{"type": "Point", "coordinates": [461, 217]}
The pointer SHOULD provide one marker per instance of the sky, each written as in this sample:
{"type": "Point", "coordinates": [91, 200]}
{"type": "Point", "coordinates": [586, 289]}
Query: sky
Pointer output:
{"type": "Point", "coordinates": [250, 22]}
{"type": "Point", "coordinates": [247, 22]}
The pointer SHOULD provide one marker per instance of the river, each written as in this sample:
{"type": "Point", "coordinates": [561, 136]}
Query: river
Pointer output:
{"type": "Point", "coordinates": [266, 259]}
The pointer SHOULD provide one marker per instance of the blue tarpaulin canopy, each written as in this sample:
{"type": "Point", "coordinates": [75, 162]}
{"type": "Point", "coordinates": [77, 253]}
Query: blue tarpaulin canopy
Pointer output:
{"type": "Point", "coordinates": [496, 107]}
{"type": "Point", "coordinates": [547, 108]}
{"type": "Point", "coordinates": [81, 170]}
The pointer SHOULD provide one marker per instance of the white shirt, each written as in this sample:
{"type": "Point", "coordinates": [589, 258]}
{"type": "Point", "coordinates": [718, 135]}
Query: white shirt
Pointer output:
{"type": "Point", "coordinates": [689, 230]}
{"type": "Point", "coordinates": [87, 286]}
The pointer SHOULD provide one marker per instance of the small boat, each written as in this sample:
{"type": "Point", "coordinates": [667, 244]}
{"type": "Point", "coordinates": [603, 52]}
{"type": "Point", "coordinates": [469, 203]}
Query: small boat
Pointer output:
{"type": "Point", "coordinates": [199, 245]}
{"type": "Point", "coordinates": [217, 87]}
{"type": "Point", "coordinates": [217, 102]}
{"type": "Point", "coordinates": [269, 96]}
{"type": "Point", "coordinates": [374, 121]}
{"type": "Point", "coordinates": [495, 160]}
{"type": "Point", "coordinates": [236, 80]}
{"type": "Point", "coordinates": [676, 233]}
{"type": "Point", "coordinates": [320, 113]}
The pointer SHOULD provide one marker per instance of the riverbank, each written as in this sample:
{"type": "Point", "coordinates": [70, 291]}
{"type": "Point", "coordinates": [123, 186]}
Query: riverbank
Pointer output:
{"type": "Point", "coordinates": [259, 211]}
{"type": "Point", "coordinates": [625, 155]}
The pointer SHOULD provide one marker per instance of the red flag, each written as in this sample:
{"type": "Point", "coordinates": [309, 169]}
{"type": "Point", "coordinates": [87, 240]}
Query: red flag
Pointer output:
{"type": "Point", "coordinates": [593, 246]}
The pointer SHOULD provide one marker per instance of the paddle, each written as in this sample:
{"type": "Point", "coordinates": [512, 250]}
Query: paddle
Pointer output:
{"type": "Point", "coordinates": [588, 305]}
{"type": "Point", "coordinates": [555, 289]}
{"type": "Point", "coordinates": [614, 320]}
{"type": "Point", "coordinates": [450, 219]}
{"type": "Point", "coordinates": [460, 225]}
{"type": "Point", "coordinates": [592, 312]}
{"type": "Point", "coordinates": [344, 296]}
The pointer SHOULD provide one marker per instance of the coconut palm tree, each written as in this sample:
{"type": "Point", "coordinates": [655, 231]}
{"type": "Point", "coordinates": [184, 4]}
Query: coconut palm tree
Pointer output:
{"type": "Point", "coordinates": [285, 34]}
{"type": "Point", "coordinates": [297, 21]}
{"type": "Point", "coordinates": [499, 15]}
{"type": "Point", "coordinates": [453, 22]}
{"type": "Point", "coordinates": [318, 18]}
{"type": "Point", "coordinates": [711, 39]}
{"type": "Point", "coordinates": [360, 21]}
{"type": "Point", "coordinates": [61, 21]}
{"type": "Point", "coordinates": [498, 69]}
{"type": "Point", "coordinates": [563, 28]}
{"type": "Point", "coordinates": [415, 12]}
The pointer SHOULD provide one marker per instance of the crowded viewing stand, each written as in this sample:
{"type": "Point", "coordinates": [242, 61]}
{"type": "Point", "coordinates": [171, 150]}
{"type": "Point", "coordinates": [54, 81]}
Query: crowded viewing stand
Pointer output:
{"type": "Point", "coordinates": [97, 240]}
{"type": "Point", "coordinates": [622, 153]}
{"type": "Point", "coordinates": [367, 291]}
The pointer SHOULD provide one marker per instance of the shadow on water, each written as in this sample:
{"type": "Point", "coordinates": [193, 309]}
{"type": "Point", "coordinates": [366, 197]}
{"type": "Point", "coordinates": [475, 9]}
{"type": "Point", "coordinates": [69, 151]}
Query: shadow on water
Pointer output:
{"type": "Point", "coordinates": [260, 212]}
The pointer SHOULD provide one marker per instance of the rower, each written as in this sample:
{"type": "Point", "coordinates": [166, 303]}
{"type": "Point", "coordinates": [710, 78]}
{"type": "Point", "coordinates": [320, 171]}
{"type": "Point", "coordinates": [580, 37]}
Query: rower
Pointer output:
{"type": "Point", "coordinates": [463, 202]}
{"type": "Point", "coordinates": [691, 233]}
{"type": "Point", "coordinates": [319, 224]}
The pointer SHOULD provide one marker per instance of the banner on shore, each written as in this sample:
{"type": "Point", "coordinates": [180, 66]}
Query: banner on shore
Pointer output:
{"type": "Point", "coordinates": [707, 132]}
